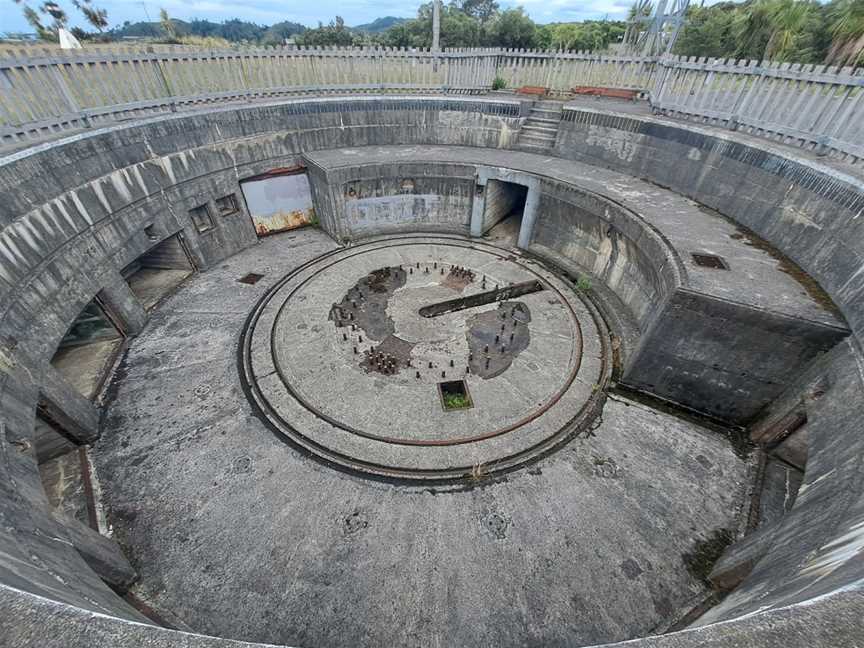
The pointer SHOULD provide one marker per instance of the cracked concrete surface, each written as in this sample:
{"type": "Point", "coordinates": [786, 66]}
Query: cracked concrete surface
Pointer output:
{"type": "Point", "coordinates": [237, 534]}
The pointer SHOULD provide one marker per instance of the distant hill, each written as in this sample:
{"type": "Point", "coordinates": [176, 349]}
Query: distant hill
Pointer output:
{"type": "Point", "coordinates": [231, 30]}
{"type": "Point", "coordinates": [380, 24]}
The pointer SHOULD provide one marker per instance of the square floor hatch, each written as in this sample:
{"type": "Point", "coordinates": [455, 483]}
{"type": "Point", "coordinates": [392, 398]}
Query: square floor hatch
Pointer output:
{"type": "Point", "coordinates": [454, 395]}
{"type": "Point", "coordinates": [710, 261]}
{"type": "Point", "coordinates": [251, 278]}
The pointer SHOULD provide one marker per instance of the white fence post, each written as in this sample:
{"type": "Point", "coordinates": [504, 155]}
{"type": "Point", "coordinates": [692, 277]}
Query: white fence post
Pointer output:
{"type": "Point", "coordinates": [808, 105]}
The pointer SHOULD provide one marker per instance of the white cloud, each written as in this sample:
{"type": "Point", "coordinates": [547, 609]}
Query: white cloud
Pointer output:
{"type": "Point", "coordinates": [269, 11]}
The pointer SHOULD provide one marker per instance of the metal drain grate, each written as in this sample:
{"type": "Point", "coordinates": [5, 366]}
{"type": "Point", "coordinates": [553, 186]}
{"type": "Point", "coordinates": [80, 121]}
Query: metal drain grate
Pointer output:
{"type": "Point", "coordinates": [251, 278]}
{"type": "Point", "coordinates": [710, 261]}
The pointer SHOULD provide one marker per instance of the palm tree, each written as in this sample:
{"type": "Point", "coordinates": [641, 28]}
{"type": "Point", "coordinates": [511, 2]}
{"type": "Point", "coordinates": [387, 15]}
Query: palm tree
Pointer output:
{"type": "Point", "coordinates": [95, 16]}
{"type": "Point", "coordinates": [789, 21]}
{"type": "Point", "coordinates": [168, 25]}
{"type": "Point", "coordinates": [847, 31]}
{"type": "Point", "coordinates": [778, 30]}
{"type": "Point", "coordinates": [752, 29]}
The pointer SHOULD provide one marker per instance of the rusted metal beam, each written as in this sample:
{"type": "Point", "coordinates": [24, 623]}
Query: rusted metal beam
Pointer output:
{"type": "Point", "coordinates": [480, 299]}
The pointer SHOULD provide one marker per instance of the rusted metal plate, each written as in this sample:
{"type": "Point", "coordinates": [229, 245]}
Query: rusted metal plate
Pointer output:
{"type": "Point", "coordinates": [479, 299]}
{"type": "Point", "coordinates": [615, 93]}
{"type": "Point", "coordinates": [533, 90]}
{"type": "Point", "coordinates": [278, 201]}
{"type": "Point", "coordinates": [775, 429]}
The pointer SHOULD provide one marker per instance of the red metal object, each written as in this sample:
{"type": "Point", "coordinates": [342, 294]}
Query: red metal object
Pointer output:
{"type": "Point", "coordinates": [533, 90]}
{"type": "Point", "coordinates": [275, 173]}
{"type": "Point", "coordinates": [615, 93]}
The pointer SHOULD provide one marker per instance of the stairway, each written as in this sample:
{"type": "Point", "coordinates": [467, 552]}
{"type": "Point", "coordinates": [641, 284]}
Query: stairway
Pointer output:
{"type": "Point", "coordinates": [540, 128]}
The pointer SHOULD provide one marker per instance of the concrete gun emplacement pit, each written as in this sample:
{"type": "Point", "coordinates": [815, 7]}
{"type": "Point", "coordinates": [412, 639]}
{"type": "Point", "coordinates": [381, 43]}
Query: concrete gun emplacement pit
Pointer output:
{"type": "Point", "coordinates": [603, 388]}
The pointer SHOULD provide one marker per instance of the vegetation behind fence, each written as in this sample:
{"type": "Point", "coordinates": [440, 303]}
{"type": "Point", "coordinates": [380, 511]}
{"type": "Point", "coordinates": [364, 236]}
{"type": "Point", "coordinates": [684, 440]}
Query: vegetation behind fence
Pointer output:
{"type": "Point", "coordinates": [42, 92]}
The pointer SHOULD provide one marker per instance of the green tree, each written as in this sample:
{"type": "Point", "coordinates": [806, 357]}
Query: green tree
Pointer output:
{"type": "Point", "coordinates": [95, 16]}
{"type": "Point", "coordinates": [168, 26]}
{"type": "Point", "coordinates": [238, 31]}
{"type": "Point", "coordinates": [482, 10]}
{"type": "Point", "coordinates": [792, 25]}
{"type": "Point", "coordinates": [457, 29]}
{"type": "Point", "coordinates": [512, 28]}
{"type": "Point", "coordinates": [709, 31]}
{"type": "Point", "coordinates": [280, 32]}
{"type": "Point", "coordinates": [334, 33]}
{"type": "Point", "coordinates": [846, 23]}
{"type": "Point", "coordinates": [34, 19]}
{"type": "Point", "coordinates": [590, 35]}
{"type": "Point", "coordinates": [98, 18]}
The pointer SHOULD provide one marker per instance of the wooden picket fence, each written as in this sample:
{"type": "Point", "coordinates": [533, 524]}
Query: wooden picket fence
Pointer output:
{"type": "Point", "coordinates": [46, 91]}
{"type": "Point", "coordinates": [816, 107]}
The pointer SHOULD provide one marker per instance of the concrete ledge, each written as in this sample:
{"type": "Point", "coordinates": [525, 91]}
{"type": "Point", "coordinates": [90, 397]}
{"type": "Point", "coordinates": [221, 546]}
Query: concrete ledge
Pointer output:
{"type": "Point", "coordinates": [803, 206]}
{"type": "Point", "coordinates": [835, 621]}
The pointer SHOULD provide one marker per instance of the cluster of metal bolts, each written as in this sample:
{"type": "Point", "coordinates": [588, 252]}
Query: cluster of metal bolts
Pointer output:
{"type": "Point", "coordinates": [383, 362]}
{"type": "Point", "coordinates": [389, 364]}
{"type": "Point", "coordinates": [464, 273]}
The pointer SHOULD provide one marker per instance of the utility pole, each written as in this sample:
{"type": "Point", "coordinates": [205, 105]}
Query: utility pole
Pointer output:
{"type": "Point", "coordinates": [436, 33]}
{"type": "Point", "coordinates": [436, 26]}
{"type": "Point", "coordinates": [652, 31]}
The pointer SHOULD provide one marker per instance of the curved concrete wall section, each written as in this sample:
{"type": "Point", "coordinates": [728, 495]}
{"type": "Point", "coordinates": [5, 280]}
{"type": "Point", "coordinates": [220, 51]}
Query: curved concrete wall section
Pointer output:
{"type": "Point", "coordinates": [815, 548]}
{"type": "Point", "coordinates": [580, 229]}
{"type": "Point", "coordinates": [73, 213]}
{"type": "Point", "coordinates": [723, 342]}
{"type": "Point", "coordinates": [811, 212]}
{"type": "Point", "coordinates": [803, 207]}
{"type": "Point", "coordinates": [366, 200]}
{"type": "Point", "coordinates": [99, 192]}
{"type": "Point", "coordinates": [359, 195]}
{"type": "Point", "coordinates": [831, 621]}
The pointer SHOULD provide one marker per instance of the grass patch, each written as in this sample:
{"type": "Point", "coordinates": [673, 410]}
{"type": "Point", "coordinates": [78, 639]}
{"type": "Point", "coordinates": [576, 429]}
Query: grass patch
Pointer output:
{"type": "Point", "coordinates": [583, 283]}
{"type": "Point", "coordinates": [456, 401]}
{"type": "Point", "coordinates": [454, 395]}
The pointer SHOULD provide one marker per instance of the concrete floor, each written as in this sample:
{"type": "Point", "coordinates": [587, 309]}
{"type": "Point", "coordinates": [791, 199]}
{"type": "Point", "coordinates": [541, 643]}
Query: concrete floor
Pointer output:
{"type": "Point", "coordinates": [151, 285]}
{"type": "Point", "coordinates": [85, 366]}
{"type": "Point", "coordinates": [236, 534]}
{"type": "Point", "coordinates": [63, 480]}
{"type": "Point", "coordinates": [506, 231]}
{"type": "Point", "coordinates": [299, 358]}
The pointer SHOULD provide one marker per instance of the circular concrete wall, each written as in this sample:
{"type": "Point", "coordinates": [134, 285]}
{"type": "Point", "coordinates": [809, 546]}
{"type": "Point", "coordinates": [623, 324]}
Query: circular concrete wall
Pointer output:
{"type": "Point", "coordinates": [74, 213]}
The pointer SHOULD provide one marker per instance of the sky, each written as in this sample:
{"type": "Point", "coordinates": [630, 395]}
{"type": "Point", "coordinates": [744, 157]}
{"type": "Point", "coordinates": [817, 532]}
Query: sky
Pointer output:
{"type": "Point", "coordinates": [267, 12]}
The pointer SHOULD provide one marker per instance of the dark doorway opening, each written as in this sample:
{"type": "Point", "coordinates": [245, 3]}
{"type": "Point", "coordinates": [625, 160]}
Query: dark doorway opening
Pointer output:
{"type": "Point", "coordinates": [502, 214]}
{"type": "Point", "coordinates": [51, 441]}
{"type": "Point", "coordinates": [157, 273]}
{"type": "Point", "coordinates": [87, 351]}
{"type": "Point", "coordinates": [63, 471]}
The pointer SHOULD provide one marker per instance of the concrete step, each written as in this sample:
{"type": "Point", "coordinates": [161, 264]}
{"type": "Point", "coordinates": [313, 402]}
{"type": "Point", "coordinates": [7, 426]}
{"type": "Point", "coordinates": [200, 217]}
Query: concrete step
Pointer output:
{"type": "Point", "coordinates": [545, 114]}
{"type": "Point", "coordinates": [534, 148]}
{"type": "Point", "coordinates": [540, 130]}
{"type": "Point", "coordinates": [541, 133]}
{"type": "Point", "coordinates": [543, 120]}
{"type": "Point", "coordinates": [528, 138]}
{"type": "Point", "coordinates": [545, 141]}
